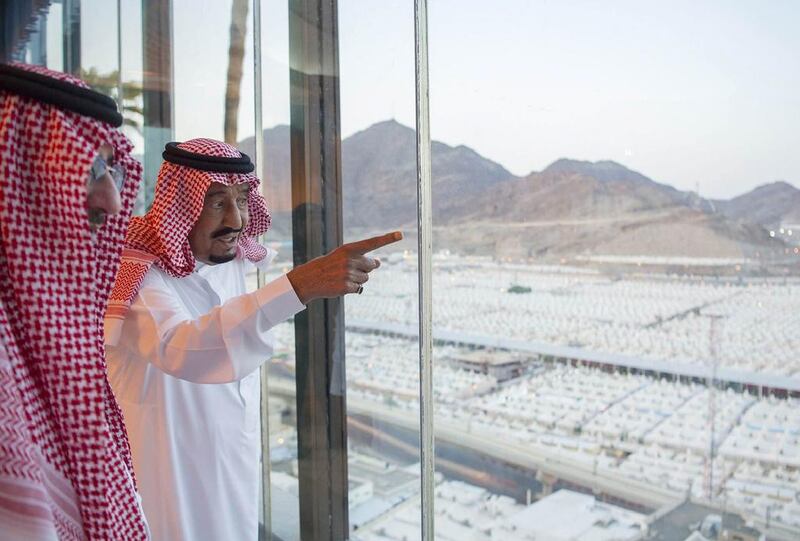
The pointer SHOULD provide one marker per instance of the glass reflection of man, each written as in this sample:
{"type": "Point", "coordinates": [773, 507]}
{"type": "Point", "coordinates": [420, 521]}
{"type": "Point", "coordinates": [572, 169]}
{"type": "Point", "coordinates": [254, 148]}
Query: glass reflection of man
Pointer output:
{"type": "Point", "coordinates": [180, 319]}
{"type": "Point", "coordinates": [67, 187]}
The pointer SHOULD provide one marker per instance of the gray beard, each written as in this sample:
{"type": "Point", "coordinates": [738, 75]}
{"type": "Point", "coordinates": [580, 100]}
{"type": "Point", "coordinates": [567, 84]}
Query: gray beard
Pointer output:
{"type": "Point", "coordinates": [216, 260]}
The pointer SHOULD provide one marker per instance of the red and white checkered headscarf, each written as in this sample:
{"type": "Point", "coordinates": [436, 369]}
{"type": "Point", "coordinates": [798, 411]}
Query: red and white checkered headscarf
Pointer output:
{"type": "Point", "coordinates": [162, 235]}
{"type": "Point", "coordinates": [65, 465]}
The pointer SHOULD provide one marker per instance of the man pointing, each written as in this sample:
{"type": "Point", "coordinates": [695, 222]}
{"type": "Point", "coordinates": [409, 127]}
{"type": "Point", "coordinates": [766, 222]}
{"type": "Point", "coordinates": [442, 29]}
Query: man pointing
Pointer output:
{"type": "Point", "coordinates": [179, 319]}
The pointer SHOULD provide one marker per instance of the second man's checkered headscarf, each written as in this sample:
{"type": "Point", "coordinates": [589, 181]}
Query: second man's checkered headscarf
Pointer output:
{"type": "Point", "coordinates": [161, 236]}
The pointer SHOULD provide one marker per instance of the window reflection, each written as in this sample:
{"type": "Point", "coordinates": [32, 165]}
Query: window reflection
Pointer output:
{"type": "Point", "coordinates": [616, 272]}
{"type": "Point", "coordinates": [172, 86]}
{"type": "Point", "coordinates": [382, 367]}
{"type": "Point", "coordinates": [607, 345]}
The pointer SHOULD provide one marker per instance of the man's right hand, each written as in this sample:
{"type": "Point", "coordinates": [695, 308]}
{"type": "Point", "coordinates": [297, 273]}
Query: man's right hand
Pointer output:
{"type": "Point", "coordinates": [340, 272]}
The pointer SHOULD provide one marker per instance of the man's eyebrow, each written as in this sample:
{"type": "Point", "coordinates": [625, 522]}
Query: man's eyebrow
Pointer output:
{"type": "Point", "coordinates": [216, 192]}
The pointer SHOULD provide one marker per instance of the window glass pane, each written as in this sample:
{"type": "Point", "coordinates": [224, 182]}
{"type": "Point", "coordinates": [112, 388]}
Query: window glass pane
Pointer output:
{"type": "Point", "coordinates": [199, 88]}
{"type": "Point", "coordinates": [275, 173]}
{"type": "Point", "coordinates": [82, 37]}
{"type": "Point", "coordinates": [132, 86]}
{"type": "Point", "coordinates": [206, 69]}
{"type": "Point", "coordinates": [204, 98]}
{"type": "Point", "coordinates": [99, 53]}
{"type": "Point", "coordinates": [203, 88]}
{"type": "Point", "coordinates": [379, 185]}
{"type": "Point", "coordinates": [610, 234]}
{"type": "Point", "coordinates": [79, 37]}
{"type": "Point", "coordinates": [35, 38]}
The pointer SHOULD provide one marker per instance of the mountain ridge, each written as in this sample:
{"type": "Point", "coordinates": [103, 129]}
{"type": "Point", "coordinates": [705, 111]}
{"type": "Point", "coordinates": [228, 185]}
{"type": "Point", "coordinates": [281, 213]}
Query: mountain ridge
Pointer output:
{"type": "Point", "coordinates": [578, 206]}
{"type": "Point", "coordinates": [770, 204]}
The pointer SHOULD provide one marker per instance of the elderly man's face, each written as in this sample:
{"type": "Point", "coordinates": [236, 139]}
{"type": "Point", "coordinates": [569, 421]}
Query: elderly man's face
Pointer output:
{"type": "Point", "coordinates": [215, 235]}
{"type": "Point", "coordinates": [102, 196]}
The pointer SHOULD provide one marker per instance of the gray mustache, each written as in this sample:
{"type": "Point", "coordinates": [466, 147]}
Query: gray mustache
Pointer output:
{"type": "Point", "coordinates": [225, 231]}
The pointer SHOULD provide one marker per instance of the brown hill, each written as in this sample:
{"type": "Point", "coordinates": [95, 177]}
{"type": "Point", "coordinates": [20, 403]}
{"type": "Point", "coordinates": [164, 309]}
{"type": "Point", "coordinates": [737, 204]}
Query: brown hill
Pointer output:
{"type": "Point", "coordinates": [276, 172]}
{"type": "Point", "coordinates": [769, 205]}
{"type": "Point", "coordinates": [571, 189]}
{"type": "Point", "coordinates": [574, 207]}
{"type": "Point", "coordinates": [380, 183]}
{"type": "Point", "coordinates": [571, 207]}
{"type": "Point", "coordinates": [379, 176]}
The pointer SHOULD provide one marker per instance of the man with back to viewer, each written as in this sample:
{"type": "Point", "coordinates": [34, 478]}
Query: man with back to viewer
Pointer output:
{"type": "Point", "coordinates": [67, 188]}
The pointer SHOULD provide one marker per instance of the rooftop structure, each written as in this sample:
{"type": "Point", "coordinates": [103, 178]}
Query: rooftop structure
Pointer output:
{"type": "Point", "coordinates": [566, 515]}
{"type": "Point", "coordinates": [500, 365]}
{"type": "Point", "coordinates": [693, 521]}
{"type": "Point", "coordinates": [615, 319]}
{"type": "Point", "coordinates": [629, 398]}
{"type": "Point", "coordinates": [467, 512]}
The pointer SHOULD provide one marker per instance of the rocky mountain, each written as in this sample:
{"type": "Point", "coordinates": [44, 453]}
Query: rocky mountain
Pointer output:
{"type": "Point", "coordinates": [571, 189]}
{"type": "Point", "coordinates": [769, 205]}
{"type": "Point", "coordinates": [571, 207]}
{"type": "Point", "coordinates": [276, 172]}
{"type": "Point", "coordinates": [577, 207]}
{"type": "Point", "coordinates": [379, 176]}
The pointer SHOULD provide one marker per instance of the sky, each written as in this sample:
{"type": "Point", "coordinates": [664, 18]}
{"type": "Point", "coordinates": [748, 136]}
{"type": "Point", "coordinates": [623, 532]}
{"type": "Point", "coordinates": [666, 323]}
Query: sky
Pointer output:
{"type": "Point", "coordinates": [699, 95]}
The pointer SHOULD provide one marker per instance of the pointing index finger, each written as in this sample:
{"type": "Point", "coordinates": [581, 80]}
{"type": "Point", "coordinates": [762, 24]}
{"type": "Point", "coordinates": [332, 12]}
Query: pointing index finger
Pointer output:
{"type": "Point", "coordinates": [368, 245]}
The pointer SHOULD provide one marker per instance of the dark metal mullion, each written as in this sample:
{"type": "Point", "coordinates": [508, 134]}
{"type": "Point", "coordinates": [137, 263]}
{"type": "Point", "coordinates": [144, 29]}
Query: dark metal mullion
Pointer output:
{"type": "Point", "coordinates": [335, 228]}
{"type": "Point", "coordinates": [317, 229]}
{"type": "Point", "coordinates": [157, 90]}
{"type": "Point", "coordinates": [71, 17]}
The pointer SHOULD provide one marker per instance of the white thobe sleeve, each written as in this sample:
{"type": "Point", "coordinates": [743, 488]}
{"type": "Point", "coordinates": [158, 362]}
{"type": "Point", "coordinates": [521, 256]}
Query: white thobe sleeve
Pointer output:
{"type": "Point", "coordinates": [224, 345]}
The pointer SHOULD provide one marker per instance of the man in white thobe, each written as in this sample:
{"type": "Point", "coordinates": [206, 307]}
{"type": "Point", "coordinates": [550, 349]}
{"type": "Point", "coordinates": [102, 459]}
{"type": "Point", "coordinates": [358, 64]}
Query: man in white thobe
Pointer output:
{"type": "Point", "coordinates": [184, 339]}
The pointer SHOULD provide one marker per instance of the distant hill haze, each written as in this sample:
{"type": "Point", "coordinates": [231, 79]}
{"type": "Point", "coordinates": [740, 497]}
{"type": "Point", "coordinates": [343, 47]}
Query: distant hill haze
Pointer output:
{"type": "Point", "coordinates": [276, 171]}
{"type": "Point", "coordinates": [571, 207]}
{"type": "Point", "coordinates": [770, 205]}
{"type": "Point", "coordinates": [379, 168]}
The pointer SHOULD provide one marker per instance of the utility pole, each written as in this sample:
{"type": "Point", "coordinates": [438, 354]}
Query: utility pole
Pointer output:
{"type": "Point", "coordinates": [711, 382]}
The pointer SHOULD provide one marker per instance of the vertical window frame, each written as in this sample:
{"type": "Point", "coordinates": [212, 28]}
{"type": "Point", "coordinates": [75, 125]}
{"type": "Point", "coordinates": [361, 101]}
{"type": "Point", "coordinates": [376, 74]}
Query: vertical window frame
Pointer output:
{"type": "Point", "coordinates": [316, 230]}
{"type": "Point", "coordinates": [425, 276]}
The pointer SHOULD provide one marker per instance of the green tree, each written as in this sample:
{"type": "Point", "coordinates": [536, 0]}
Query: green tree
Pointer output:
{"type": "Point", "coordinates": [132, 103]}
